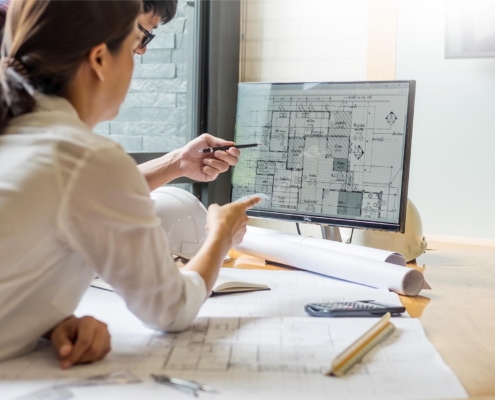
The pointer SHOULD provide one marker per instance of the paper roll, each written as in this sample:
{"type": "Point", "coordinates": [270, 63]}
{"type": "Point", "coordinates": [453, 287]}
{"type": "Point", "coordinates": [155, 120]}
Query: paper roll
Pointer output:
{"type": "Point", "coordinates": [352, 249]}
{"type": "Point", "coordinates": [378, 274]}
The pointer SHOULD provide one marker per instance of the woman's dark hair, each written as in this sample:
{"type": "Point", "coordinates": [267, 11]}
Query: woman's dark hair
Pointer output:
{"type": "Point", "coordinates": [4, 5]}
{"type": "Point", "coordinates": [45, 42]}
{"type": "Point", "coordinates": [166, 9]}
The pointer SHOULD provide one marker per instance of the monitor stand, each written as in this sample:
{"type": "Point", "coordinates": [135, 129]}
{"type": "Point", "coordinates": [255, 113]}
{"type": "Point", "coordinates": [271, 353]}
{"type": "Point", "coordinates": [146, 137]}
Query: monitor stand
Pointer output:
{"type": "Point", "coordinates": [331, 233]}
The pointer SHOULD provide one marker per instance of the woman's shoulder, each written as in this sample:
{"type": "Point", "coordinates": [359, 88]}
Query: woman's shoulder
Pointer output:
{"type": "Point", "coordinates": [57, 134]}
{"type": "Point", "coordinates": [55, 123]}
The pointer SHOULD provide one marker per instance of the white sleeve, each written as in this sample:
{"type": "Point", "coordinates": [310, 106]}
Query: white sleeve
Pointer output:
{"type": "Point", "coordinates": [107, 216]}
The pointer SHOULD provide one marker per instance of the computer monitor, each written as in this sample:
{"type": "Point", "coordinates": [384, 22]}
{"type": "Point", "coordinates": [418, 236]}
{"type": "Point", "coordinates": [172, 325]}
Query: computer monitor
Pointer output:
{"type": "Point", "coordinates": [334, 153]}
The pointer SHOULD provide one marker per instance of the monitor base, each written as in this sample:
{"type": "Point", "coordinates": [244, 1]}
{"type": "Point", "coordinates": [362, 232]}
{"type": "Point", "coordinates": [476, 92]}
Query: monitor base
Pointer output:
{"type": "Point", "coordinates": [331, 233]}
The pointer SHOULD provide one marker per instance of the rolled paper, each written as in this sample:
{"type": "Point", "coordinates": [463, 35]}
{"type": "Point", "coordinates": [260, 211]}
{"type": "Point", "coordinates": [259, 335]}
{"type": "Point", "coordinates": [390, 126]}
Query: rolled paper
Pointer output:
{"type": "Point", "coordinates": [352, 249]}
{"type": "Point", "coordinates": [364, 271]}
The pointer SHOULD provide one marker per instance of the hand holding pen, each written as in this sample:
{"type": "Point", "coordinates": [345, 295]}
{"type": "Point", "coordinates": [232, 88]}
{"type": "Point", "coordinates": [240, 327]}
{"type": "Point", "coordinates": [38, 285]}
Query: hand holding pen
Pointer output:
{"type": "Point", "coordinates": [207, 156]}
{"type": "Point", "coordinates": [240, 146]}
{"type": "Point", "coordinates": [206, 166]}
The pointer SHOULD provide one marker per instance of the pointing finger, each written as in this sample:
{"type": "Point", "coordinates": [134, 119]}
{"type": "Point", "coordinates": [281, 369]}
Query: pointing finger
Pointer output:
{"type": "Point", "coordinates": [249, 202]}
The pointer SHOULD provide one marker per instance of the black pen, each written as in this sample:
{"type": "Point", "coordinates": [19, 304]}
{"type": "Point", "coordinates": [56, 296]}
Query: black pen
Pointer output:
{"type": "Point", "coordinates": [241, 146]}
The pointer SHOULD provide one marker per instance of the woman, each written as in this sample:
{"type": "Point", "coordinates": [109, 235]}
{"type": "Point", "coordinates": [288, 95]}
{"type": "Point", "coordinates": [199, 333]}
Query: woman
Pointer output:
{"type": "Point", "coordinates": [73, 203]}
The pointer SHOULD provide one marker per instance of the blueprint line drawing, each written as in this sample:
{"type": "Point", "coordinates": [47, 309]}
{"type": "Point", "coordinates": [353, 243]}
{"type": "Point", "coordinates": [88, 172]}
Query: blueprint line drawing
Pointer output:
{"type": "Point", "coordinates": [243, 357]}
{"type": "Point", "coordinates": [337, 155]}
{"type": "Point", "coordinates": [251, 345]}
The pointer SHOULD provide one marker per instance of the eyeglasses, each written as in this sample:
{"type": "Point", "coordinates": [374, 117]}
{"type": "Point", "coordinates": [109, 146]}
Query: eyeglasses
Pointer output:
{"type": "Point", "coordinates": [148, 37]}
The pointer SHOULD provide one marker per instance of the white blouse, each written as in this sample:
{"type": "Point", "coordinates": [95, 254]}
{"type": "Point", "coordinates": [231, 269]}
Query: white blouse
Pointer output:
{"type": "Point", "coordinates": [72, 204]}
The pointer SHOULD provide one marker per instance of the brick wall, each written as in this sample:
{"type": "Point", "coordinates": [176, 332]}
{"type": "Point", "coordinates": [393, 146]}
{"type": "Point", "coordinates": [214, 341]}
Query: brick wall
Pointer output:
{"type": "Point", "coordinates": [153, 115]}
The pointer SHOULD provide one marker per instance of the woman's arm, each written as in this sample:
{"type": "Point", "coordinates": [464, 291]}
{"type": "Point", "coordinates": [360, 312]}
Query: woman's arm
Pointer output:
{"type": "Point", "coordinates": [107, 216]}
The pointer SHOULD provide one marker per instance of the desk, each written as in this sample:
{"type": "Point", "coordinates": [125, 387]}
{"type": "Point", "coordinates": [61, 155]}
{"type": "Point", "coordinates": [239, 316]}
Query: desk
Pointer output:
{"type": "Point", "coordinates": [458, 314]}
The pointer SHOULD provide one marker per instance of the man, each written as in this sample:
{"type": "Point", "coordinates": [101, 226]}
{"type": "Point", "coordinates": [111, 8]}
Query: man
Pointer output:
{"type": "Point", "coordinates": [185, 161]}
{"type": "Point", "coordinates": [155, 12]}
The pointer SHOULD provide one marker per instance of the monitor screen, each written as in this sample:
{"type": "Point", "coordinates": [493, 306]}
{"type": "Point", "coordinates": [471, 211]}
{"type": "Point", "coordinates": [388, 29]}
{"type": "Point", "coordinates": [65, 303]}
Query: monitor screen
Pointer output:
{"type": "Point", "coordinates": [330, 153]}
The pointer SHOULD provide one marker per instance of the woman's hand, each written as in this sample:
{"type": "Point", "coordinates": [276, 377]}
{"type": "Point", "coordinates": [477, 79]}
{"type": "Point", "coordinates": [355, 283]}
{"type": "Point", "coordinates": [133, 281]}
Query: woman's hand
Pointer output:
{"type": "Point", "coordinates": [230, 220]}
{"type": "Point", "coordinates": [226, 226]}
{"type": "Point", "coordinates": [206, 167]}
{"type": "Point", "coordinates": [80, 340]}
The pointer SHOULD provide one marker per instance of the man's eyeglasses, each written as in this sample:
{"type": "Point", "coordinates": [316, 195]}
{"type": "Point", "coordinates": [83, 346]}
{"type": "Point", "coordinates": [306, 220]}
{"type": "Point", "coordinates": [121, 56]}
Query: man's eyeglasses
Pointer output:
{"type": "Point", "coordinates": [148, 37]}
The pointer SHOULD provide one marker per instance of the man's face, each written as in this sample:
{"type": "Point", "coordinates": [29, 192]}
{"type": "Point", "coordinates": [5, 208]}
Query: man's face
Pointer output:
{"type": "Point", "coordinates": [149, 22]}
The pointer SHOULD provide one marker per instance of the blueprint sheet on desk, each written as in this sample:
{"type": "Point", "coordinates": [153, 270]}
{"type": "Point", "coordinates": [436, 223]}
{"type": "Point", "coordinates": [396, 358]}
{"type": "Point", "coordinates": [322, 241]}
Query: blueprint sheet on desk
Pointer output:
{"type": "Point", "coordinates": [252, 345]}
{"type": "Point", "coordinates": [290, 292]}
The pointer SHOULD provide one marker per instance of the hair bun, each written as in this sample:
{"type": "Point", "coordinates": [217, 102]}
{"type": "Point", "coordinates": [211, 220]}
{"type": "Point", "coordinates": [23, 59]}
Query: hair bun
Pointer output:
{"type": "Point", "coordinates": [16, 94]}
{"type": "Point", "coordinates": [13, 69]}
{"type": "Point", "coordinates": [15, 64]}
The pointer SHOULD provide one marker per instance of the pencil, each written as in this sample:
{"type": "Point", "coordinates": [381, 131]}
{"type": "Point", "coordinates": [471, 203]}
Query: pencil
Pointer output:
{"type": "Point", "coordinates": [356, 351]}
{"type": "Point", "coordinates": [240, 146]}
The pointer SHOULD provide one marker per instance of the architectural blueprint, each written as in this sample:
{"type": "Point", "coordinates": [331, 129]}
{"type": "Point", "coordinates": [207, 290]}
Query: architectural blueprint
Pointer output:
{"type": "Point", "coordinates": [328, 149]}
{"type": "Point", "coordinates": [272, 356]}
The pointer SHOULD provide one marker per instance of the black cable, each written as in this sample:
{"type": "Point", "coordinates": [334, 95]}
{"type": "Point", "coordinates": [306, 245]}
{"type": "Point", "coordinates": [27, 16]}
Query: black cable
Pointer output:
{"type": "Point", "coordinates": [297, 227]}
{"type": "Point", "coordinates": [352, 233]}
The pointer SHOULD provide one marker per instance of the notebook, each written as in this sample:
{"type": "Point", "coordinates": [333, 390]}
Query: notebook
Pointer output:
{"type": "Point", "coordinates": [223, 285]}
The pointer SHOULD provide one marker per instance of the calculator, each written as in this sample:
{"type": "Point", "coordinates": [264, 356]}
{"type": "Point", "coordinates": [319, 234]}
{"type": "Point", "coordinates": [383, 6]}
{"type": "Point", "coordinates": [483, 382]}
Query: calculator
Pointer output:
{"type": "Point", "coordinates": [363, 308]}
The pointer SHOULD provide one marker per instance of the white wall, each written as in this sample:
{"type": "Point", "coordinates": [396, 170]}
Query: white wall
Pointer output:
{"type": "Point", "coordinates": [305, 40]}
{"type": "Point", "coordinates": [453, 153]}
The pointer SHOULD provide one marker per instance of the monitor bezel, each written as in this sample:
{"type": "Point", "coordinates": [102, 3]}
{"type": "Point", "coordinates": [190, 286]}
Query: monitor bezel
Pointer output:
{"type": "Point", "coordinates": [347, 222]}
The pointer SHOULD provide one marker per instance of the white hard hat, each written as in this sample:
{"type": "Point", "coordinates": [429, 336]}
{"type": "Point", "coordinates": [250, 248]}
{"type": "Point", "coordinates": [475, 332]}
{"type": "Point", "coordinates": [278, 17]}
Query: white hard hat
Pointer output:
{"type": "Point", "coordinates": [410, 244]}
{"type": "Point", "coordinates": [183, 218]}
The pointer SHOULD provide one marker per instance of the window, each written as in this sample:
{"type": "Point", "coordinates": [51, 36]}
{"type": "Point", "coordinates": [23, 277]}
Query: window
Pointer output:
{"type": "Point", "coordinates": [152, 118]}
{"type": "Point", "coordinates": [169, 101]}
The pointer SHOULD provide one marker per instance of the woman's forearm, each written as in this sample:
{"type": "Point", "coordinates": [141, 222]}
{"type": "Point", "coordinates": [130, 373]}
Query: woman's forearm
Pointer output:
{"type": "Point", "coordinates": [210, 257]}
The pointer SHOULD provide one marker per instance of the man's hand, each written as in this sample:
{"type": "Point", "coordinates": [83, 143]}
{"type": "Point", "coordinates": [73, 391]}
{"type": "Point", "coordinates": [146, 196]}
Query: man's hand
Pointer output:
{"type": "Point", "coordinates": [205, 167]}
{"type": "Point", "coordinates": [80, 340]}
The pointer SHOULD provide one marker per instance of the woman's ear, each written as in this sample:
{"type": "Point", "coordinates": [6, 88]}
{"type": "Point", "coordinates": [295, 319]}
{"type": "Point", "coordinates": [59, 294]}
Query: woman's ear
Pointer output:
{"type": "Point", "coordinates": [98, 60]}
